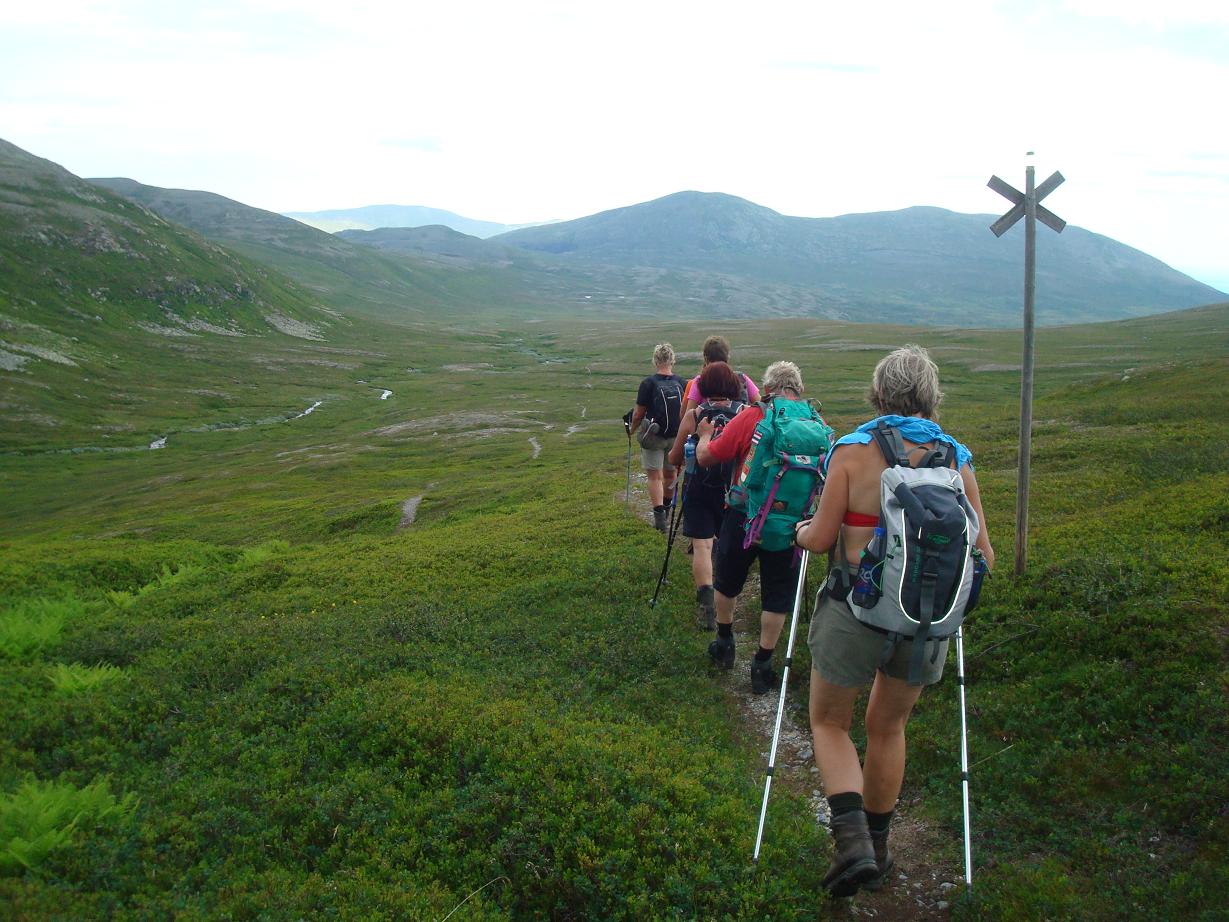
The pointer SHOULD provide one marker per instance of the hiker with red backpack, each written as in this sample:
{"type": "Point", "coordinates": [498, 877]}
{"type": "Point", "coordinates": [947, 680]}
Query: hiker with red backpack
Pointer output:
{"type": "Point", "coordinates": [902, 511]}
{"type": "Point", "coordinates": [776, 446]}
{"type": "Point", "coordinates": [716, 349]}
{"type": "Point", "coordinates": [655, 422]}
{"type": "Point", "coordinates": [704, 489]}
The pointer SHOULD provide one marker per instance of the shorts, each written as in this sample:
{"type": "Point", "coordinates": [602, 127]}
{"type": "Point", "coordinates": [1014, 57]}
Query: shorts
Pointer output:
{"type": "Point", "coordinates": [653, 450]}
{"type": "Point", "coordinates": [703, 510]}
{"type": "Point", "coordinates": [846, 652]}
{"type": "Point", "coordinates": [778, 569]}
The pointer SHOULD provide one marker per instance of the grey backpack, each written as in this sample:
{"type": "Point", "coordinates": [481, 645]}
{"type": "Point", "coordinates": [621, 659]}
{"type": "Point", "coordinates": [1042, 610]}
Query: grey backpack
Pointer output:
{"type": "Point", "coordinates": [927, 570]}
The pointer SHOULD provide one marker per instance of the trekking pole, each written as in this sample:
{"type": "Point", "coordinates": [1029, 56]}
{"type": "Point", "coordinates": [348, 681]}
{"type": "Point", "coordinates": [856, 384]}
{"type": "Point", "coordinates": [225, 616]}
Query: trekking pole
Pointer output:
{"type": "Point", "coordinates": [676, 511]}
{"type": "Point", "coordinates": [776, 733]}
{"type": "Point", "coordinates": [964, 763]}
{"type": "Point", "coordinates": [675, 521]}
{"type": "Point", "coordinates": [627, 425]}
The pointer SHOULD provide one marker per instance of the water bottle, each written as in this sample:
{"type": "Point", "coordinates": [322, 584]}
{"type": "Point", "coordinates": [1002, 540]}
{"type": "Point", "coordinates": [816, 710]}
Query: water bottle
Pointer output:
{"type": "Point", "coordinates": [979, 574]}
{"type": "Point", "coordinates": [865, 587]}
{"type": "Point", "coordinates": [689, 455]}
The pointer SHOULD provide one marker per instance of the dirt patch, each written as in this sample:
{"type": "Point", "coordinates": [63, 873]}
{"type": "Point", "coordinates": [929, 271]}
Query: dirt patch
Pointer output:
{"type": "Point", "coordinates": [469, 366]}
{"type": "Point", "coordinates": [453, 421]}
{"type": "Point", "coordinates": [409, 511]}
{"type": "Point", "coordinates": [537, 447]}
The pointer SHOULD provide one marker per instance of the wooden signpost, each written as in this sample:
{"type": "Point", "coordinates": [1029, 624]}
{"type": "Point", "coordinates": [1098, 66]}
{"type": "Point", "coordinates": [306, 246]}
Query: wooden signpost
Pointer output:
{"type": "Point", "coordinates": [1026, 205]}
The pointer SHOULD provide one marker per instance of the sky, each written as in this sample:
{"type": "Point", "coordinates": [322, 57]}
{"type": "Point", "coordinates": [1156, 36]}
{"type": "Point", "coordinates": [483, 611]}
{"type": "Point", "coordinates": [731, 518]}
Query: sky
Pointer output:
{"type": "Point", "coordinates": [536, 110]}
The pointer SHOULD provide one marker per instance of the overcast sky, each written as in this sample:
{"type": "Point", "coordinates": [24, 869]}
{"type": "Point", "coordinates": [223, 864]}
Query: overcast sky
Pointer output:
{"type": "Point", "coordinates": [533, 110]}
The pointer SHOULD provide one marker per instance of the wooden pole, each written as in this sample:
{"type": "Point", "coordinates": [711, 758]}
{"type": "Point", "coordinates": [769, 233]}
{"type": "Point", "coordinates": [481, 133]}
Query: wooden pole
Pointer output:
{"type": "Point", "coordinates": [1026, 377]}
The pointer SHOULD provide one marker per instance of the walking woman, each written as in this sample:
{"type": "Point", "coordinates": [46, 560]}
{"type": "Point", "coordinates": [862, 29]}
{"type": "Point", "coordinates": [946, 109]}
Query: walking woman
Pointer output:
{"type": "Point", "coordinates": [846, 654]}
{"type": "Point", "coordinates": [705, 488]}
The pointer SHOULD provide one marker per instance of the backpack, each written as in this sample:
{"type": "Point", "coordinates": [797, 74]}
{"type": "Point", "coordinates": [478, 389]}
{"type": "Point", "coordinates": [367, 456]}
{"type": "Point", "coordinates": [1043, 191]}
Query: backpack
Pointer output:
{"type": "Point", "coordinates": [928, 564]}
{"type": "Point", "coordinates": [783, 472]}
{"type": "Point", "coordinates": [718, 476]}
{"type": "Point", "coordinates": [666, 406]}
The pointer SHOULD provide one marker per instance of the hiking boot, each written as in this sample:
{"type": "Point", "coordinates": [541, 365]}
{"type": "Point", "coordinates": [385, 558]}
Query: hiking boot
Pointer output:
{"type": "Point", "coordinates": [721, 652]}
{"type": "Point", "coordinates": [763, 677]}
{"type": "Point", "coordinates": [661, 518]}
{"type": "Point", "coordinates": [706, 610]}
{"type": "Point", "coordinates": [883, 860]}
{"type": "Point", "coordinates": [853, 861]}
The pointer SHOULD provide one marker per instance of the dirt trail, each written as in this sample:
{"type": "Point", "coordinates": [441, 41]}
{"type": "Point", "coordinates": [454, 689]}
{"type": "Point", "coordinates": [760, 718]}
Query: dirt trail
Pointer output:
{"type": "Point", "coordinates": [919, 887]}
{"type": "Point", "coordinates": [409, 511]}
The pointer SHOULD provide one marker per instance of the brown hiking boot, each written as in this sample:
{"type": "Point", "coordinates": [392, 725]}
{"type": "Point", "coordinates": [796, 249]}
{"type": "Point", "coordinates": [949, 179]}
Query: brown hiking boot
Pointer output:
{"type": "Point", "coordinates": [853, 862]}
{"type": "Point", "coordinates": [883, 860]}
{"type": "Point", "coordinates": [706, 609]}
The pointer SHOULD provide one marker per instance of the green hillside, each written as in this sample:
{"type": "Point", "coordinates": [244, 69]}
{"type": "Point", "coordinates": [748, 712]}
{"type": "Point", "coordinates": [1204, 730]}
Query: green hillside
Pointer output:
{"type": "Point", "coordinates": [917, 265]}
{"type": "Point", "coordinates": [262, 696]}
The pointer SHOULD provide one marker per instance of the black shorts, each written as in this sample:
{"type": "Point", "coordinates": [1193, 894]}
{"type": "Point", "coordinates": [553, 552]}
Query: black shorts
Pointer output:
{"type": "Point", "coordinates": [703, 509]}
{"type": "Point", "coordinates": [778, 569]}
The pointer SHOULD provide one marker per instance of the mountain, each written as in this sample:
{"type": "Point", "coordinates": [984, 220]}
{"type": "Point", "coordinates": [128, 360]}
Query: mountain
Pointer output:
{"type": "Point", "coordinates": [74, 254]}
{"type": "Point", "coordinates": [343, 274]}
{"type": "Point", "coordinates": [918, 264]}
{"type": "Point", "coordinates": [372, 217]}
{"type": "Point", "coordinates": [436, 241]}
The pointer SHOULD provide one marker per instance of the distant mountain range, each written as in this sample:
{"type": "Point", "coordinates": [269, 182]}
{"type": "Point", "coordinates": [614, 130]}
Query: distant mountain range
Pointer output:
{"type": "Point", "coordinates": [690, 254]}
{"type": "Point", "coordinates": [372, 217]}
{"type": "Point", "coordinates": [938, 265]}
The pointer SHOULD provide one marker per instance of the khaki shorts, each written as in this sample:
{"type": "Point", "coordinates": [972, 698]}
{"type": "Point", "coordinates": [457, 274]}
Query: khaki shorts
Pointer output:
{"type": "Point", "coordinates": [846, 652]}
{"type": "Point", "coordinates": [653, 450]}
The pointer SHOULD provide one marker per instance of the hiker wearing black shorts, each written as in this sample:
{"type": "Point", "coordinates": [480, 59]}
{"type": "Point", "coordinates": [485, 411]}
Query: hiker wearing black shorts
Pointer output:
{"type": "Point", "coordinates": [704, 488]}
{"type": "Point", "coordinates": [848, 655]}
{"type": "Point", "coordinates": [659, 406]}
{"type": "Point", "coordinates": [778, 569]}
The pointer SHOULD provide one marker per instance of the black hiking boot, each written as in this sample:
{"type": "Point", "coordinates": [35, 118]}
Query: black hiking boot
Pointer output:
{"type": "Point", "coordinates": [661, 518]}
{"type": "Point", "coordinates": [721, 652]}
{"type": "Point", "coordinates": [763, 676]}
{"type": "Point", "coordinates": [883, 860]}
{"type": "Point", "coordinates": [853, 862]}
{"type": "Point", "coordinates": [706, 609]}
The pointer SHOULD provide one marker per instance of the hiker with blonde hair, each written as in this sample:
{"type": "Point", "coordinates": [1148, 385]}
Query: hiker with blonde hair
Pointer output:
{"type": "Point", "coordinates": [848, 654]}
{"type": "Point", "coordinates": [744, 440]}
{"type": "Point", "coordinates": [655, 421]}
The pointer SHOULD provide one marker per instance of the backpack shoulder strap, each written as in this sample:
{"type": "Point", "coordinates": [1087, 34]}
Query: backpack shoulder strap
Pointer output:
{"type": "Point", "coordinates": [891, 444]}
{"type": "Point", "coordinates": [942, 456]}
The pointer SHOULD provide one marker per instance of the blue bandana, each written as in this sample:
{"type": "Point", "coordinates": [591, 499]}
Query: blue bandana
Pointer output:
{"type": "Point", "coordinates": [911, 428]}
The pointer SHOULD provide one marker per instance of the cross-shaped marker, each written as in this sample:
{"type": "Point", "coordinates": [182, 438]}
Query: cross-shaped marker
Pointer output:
{"type": "Point", "coordinates": [1016, 197]}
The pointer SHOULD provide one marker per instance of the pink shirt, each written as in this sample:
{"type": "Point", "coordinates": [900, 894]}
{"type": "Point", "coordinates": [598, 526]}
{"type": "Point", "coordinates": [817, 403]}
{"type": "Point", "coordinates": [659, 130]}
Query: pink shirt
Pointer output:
{"type": "Point", "coordinates": [693, 390]}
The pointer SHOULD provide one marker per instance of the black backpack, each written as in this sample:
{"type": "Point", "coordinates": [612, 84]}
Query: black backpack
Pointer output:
{"type": "Point", "coordinates": [666, 406]}
{"type": "Point", "coordinates": [718, 476]}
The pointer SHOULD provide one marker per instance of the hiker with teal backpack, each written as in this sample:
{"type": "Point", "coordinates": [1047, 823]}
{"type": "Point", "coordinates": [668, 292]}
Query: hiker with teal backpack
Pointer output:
{"type": "Point", "coordinates": [777, 447]}
{"type": "Point", "coordinates": [902, 513]}
{"type": "Point", "coordinates": [704, 491]}
{"type": "Point", "coordinates": [655, 422]}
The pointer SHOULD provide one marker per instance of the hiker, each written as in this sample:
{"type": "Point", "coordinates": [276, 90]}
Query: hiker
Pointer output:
{"type": "Point", "coordinates": [740, 443]}
{"type": "Point", "coordinates": [848, 655]}
{"type": "Point", "coordinates": [704, 489]}
{"type": "Point", "coordinates": [716, 349]}
{"type": "Point", "coordinates": [655, 420]}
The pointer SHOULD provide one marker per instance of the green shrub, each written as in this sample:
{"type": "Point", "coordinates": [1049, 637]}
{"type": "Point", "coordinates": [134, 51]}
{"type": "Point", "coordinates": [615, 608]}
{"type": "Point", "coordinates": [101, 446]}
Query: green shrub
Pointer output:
{"type": "Point", "coordinates": [70, 678]}
{"type": "Point", "coordinates": [253, 556]}
{"type": "Point", "coordinates": [42, 816]}
{"type": "Point", "coordinates": [33, 625]}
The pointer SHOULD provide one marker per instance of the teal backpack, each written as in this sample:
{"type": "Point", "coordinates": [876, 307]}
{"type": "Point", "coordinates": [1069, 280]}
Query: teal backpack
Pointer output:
{"type": "Point", "coordinates": [783, 472]}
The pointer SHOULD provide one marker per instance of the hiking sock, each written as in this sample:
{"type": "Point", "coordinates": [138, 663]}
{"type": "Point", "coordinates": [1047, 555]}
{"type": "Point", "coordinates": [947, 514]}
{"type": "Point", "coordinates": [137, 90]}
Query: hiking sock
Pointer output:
{"type": "Point", "coordinates": [848, 802]}
{"type": "Point", "coordinates": [879, 822]}
{"type": "Point", "coordinates": [763, 656]}
{"type": "Point", "coordinates": [725, 630]}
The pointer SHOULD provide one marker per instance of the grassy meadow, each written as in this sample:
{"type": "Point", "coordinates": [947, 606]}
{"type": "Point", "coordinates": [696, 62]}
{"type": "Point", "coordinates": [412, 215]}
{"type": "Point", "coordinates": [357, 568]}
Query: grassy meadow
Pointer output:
{"type": "Point", "coordinates": [235, 685]}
